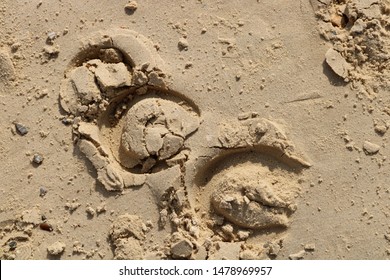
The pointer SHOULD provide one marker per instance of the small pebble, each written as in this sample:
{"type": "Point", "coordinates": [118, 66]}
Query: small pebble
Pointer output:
{"type": "Point", "coordinates": [12, 245]}
{"type": "Point", "coordinates": [90, 211]}
{"type": "Point", "coordinates": [188, 65]}
{"type": "Point", "coordinates": [370, 148]}
{"type": "Point", "coordinates": [42, 191]}
{"type": "Point", "coordinates": [380, 129]}
{"type": "Point", "coordinates": [51, 36]}
{"type": "Point", "coordinates": [46, 226]}
{"type": "Point", "coordinates": [274, 249]}
{"type": "Point", "coordinates": [37, 159]}
{"type": "Point", "coordinates": [21, 129]}
{"type": "Point", "coordinates": [183, 44]}
{"type": "Point", "coordinates": [72, 206]}
{"type": "Point", "coordinates": [51, 51]}
{"type": "Point", "coordinates": [310, 247]}
{"type": "Point", "coordinates": [15, 47]}
{"type": "Point", "coordinates": [181, 249]}
{"type": "Point", "coordinates": [131, 6]}
{"type": "Point", "coordinates": [101, 209]}
{"type": "Point", "coordinates": [57, 248]}
{"type": "Point", "coordinates": [67, 121]}
{"type": "Point", "coordinates": [243, 234]}
{"type": "Point", "coordinates": [297, 256]}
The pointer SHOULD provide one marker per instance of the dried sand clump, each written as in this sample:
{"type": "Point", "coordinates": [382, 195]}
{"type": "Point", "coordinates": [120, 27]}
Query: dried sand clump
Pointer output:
{"type": "Point", "coordinates": [359, 33]}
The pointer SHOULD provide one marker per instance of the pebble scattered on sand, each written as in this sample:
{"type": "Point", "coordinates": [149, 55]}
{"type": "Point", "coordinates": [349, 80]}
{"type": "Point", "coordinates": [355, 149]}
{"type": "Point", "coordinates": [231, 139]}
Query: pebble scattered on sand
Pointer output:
{"type": "Point", "coordinates": [46, 226]}
{"type": "Point", "coordinates": [51, 51]}
{"type": "Point", "coordinates": [37, 159]}
{"type": "Point", "coordinates": [183, 44]}
{"type": "Point", "coordinates": [51, 36]}
{"type": "Point", "coordinates": [370, 148]}
{"type": "Point", "coordinates": [57, 248]}
{"type": "Point", "coordinates": [42, 191]}
{"type": "Point", "coordinates": [21, 129]}
{"type": "Point", "coordinates": [338, 64]}
{"type": "Point", "coordinates": [12, 245]}
{"type": "Point", "coordinates": [90, 211]}
{"type": "Point", "coordinates": [181, 249]}
{"type": "Point", "coordinates": [310, 247]}
{"type": "Point", "coordinates": [297, 256]}
{"type": "Point", "coordinates": [131, 6]}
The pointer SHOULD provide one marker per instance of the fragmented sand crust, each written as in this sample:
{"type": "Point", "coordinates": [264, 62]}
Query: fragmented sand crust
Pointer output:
{"type": "Point", "coordinates": [111, 70]}
{"type": "Point", "coordinates": [359, 33]}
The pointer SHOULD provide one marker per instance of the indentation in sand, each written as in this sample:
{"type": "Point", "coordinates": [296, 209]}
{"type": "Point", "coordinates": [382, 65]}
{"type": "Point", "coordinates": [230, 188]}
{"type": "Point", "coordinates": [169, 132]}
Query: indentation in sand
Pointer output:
{"type": "Point", "coordinates": [127, 121]}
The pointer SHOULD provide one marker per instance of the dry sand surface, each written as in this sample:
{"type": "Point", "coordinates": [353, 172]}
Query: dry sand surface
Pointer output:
{"type": "Point", "coordinates": [194, 129]}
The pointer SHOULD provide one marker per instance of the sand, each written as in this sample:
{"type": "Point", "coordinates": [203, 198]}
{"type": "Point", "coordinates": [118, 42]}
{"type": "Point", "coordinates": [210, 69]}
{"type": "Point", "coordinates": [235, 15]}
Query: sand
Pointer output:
{"type": "Point", "coordinates": [194, 129]}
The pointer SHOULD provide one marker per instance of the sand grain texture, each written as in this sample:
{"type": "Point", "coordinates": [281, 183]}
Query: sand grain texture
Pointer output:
{"type": "Point", "coordinates": [194, 129]}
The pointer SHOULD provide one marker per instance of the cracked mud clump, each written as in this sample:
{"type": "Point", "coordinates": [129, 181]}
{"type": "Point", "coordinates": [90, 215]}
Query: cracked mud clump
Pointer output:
{"type": "Point", "coordinates": [155, 130]}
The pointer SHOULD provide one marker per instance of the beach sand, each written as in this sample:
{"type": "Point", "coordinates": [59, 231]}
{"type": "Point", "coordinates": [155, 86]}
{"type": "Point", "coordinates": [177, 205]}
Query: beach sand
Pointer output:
{"type": "Point", "coordinates": [194, 129]}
